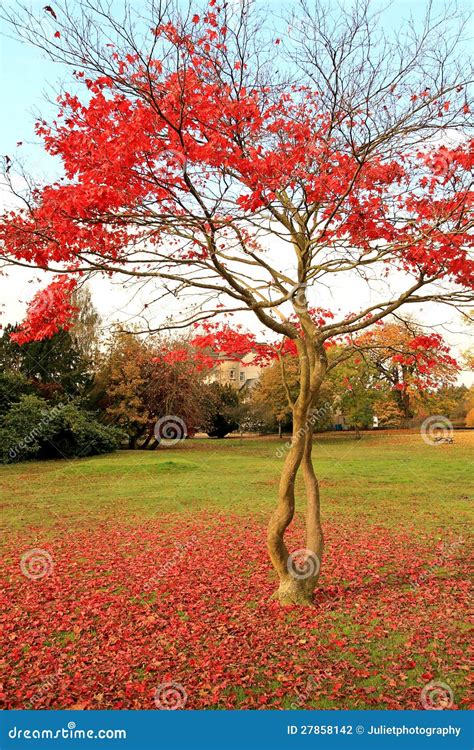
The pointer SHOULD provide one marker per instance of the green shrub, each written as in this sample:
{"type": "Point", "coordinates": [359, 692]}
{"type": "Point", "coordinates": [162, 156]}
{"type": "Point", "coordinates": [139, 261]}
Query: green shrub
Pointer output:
{"type": "Point", "coordinates": [13, 385]}
{"type": "Point", "coordinates": [32, 428]}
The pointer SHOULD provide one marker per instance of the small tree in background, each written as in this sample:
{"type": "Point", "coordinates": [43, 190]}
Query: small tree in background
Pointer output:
{"type": "Point", "coordinates": [269, 398]}
{"type": "Point", "coordinates": [54, 366]}
{"type": "Point", "coordinates": [86, 330]}
{"type": "Point", "coordinates": [470, 407]}
{"type": "Point", "coordinates": [142, 381]}
{"type": "Point", "coordinates": [411, 362]}
{"type": "Point", "coordinates": [222, 413]}
{"type": "Point", "coordinates": [451, 401]}
{"type": "Point", "coordinates": [120, 384]}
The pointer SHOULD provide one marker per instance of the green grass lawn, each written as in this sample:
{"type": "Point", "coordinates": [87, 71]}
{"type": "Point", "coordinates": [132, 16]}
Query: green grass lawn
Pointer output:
{"type": "Point", "coordinates": [388, 477]}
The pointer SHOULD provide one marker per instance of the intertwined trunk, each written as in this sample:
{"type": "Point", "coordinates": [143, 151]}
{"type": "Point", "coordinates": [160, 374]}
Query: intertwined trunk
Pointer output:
{"type": "Point", "coordinates": [298, 570]}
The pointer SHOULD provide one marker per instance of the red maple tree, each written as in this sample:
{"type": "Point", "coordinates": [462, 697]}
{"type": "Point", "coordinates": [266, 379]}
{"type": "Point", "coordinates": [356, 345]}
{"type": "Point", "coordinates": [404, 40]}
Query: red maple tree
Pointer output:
{"type": "Point", "coordinates": [193, 161]}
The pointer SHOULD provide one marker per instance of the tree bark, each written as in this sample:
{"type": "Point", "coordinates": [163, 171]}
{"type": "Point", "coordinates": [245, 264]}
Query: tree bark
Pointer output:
{"type": "Point", "coordinates": [283, 516]}
{"type": "Point", "coordinates": [298, 572]}
{"type": "Point", "coordinates": [314, 530]}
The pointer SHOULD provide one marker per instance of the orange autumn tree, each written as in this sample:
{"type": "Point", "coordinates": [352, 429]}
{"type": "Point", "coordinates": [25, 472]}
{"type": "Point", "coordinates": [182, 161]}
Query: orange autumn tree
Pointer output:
{"type": "Point", "coordinates": [412, 361]}
{"type": "Point", "coordinates": [241, 173]}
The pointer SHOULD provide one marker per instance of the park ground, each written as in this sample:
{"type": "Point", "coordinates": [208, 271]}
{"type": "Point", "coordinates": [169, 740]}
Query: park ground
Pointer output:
{"type": "Point", "coordinates": [155, 573]}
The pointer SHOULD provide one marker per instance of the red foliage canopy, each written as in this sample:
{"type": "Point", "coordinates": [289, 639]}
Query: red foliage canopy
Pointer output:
{"type": "Point", "coordinates": [153, 150]}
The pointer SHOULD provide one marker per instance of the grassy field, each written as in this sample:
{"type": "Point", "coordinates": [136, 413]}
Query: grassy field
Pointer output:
{"type": "Point", "coordinates": [159, 575]}
{"type": "Point", "coordinates": [389, 477]}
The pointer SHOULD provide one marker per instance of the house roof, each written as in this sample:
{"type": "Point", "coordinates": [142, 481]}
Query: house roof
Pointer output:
{"type": "Point", "coordinates": [234, 357]}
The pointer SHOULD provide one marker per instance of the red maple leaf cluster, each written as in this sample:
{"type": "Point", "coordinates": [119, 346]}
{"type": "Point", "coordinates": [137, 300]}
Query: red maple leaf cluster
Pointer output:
{"type": "Point", "coordinates": [49, 311]}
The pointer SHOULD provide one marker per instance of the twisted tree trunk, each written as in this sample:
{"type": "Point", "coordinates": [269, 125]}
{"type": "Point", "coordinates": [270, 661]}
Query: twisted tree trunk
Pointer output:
{"type": "Point", "coordinates": [298, 570]}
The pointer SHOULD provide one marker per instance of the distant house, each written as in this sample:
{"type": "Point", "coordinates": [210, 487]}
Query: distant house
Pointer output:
{"type": "Point", "coordinates": [239, 371]}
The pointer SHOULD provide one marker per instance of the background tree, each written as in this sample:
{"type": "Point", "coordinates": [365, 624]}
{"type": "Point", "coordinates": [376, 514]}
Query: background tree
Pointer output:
{"type": "Point", "coordinates": [269, 400]}
{"type": "Point", "coordinates": [121, 382]}
{"type": "Point", "coordinates": [450, 401]}
{"type": "Point", "coordinates": [356, 393]}
{"type": "Point", "coordinates": [190, 155]}
{"type": "Point", "coordinates": [13, 385]}
{"type": "Point", "coordinates": [54, 366]}
{"type": "Point", "coordinates": [86, 330]}
{"type": "Point", "coordinates": [410, 361]}
{"type": "Point", "coordinates": [176, 386]}
{"type": "Point", "coordinates": [222, 410]}
{"type": "Point", "coordinates": [142, 381]}
{"type": "Point", "coordinates": [470, 407]}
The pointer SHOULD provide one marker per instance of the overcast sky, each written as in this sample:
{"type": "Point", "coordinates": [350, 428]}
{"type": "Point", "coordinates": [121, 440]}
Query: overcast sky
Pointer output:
{"type": "Point", "coordinates": [28, 78]}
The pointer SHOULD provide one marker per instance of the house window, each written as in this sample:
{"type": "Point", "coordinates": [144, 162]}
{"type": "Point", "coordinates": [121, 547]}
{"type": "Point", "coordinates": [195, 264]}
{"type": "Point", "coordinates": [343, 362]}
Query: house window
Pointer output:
{"type": "Point", "coordinates": [242, 377]}
{"type": "Point", "coordinates": [232, 374]}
